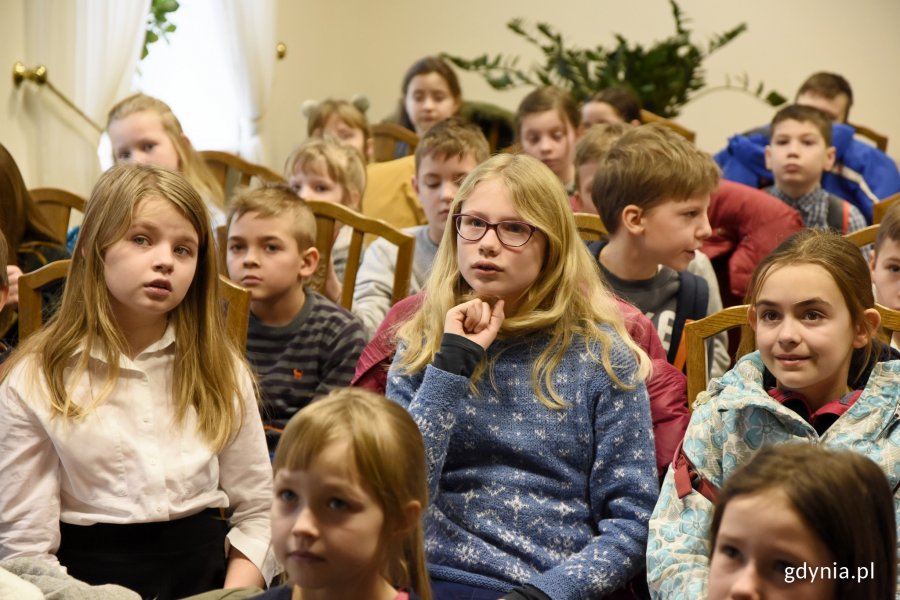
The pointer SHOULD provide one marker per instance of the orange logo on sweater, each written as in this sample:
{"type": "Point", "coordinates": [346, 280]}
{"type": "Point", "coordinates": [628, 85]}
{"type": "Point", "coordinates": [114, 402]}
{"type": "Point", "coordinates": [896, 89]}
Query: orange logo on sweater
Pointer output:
{"type": "Point", "coordinates": [298, 374]}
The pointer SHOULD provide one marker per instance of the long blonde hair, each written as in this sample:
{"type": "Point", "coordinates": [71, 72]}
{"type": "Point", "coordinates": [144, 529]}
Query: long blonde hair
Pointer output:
{"type": "Point", "coordinates": [389, 456]}
{"type": "Point", "coordinates": [207, 362]}
{"type": "Point", "coordinates": [190, 163]}
{"type": "Point", "coordinates": [566, 300]}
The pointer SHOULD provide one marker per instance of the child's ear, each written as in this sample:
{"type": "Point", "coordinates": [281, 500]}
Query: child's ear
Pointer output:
{"type": "Point", "coordinates": [830, 154]}
{"type": "Point", "coordinates": [768, 155]}
{"type": "Point", "coordinates": [309, 262]}
{"type": "Point", "coordinates": [751, 318]}
{"type": "Point", "coordinates": [370, 150]}
{"type": "Point", "coordinates": [633, 219]}
{"type": "Point", "coordinates": [873, 256]}
{"type": "Point", "coordinates": [872, 318]}
{"type": "Point", "coordinates": [354, 200]}
{"type": "Point", "coordinates": [412, 513]}
{"type": "Point", "coordinates": [415, 184]}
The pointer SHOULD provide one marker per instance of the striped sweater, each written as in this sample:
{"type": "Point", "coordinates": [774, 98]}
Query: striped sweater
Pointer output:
{"type": "Point", "coordinates": [308, 357]}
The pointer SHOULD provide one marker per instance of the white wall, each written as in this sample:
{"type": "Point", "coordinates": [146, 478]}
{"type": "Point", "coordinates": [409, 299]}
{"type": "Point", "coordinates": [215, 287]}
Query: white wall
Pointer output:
{"type": "Point", "coordinates": [357, 46]}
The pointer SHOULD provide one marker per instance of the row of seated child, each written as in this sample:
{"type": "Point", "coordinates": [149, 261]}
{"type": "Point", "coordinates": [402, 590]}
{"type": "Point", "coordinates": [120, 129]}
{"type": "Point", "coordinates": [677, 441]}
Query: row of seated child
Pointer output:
{"type": "Point", "coordinates": [509, 194]}
{"type": "Point", "coordinates": [525, 289]}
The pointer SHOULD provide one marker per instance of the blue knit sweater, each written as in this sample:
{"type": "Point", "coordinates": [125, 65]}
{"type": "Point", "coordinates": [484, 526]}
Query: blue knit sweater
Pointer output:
{"type": "Point", "coordinates": [520, 493]}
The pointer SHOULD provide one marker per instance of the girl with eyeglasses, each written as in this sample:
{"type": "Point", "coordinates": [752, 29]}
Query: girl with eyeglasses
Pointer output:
{"type": "Point", "coordinates": [530, 397]}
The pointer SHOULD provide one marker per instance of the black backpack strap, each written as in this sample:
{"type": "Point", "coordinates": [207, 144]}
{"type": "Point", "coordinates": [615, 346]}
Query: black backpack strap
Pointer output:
{"type": "Point", "coordinates": [838, 214]}
{"type": "Point", "coordinates": [692, 303]}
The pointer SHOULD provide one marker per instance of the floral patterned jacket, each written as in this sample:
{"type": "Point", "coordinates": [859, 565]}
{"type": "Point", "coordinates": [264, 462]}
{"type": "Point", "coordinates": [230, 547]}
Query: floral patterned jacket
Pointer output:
{"type": "Point", "coordinates": [733, 419]}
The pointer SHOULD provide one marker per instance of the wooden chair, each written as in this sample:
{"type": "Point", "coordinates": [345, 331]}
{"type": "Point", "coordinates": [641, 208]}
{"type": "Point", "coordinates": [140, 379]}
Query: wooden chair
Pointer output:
{"type": "Point", "coordinates": [232, 171]}
{"type": "Point", "coordinates": [328, 215]}
{"type": "Point", "coordinates": [237, 300]}
{"type": "Point", "coordinates": [863, 237]}
{"type": "Point", "coordinates": [695, 335]}
{"type": "Point", "coordinates": [590, 227]}
{"type": "Point", "coordinates": [31, 303]}
{"type": "Point", "coordinates": [880, 140]}
{"type": "Point", "coordinates": [56, 205]}
{"type": "Point", "coordinates": [649, 117]}
{"type": "Point", "coordinates": [386, 137]}
{"type": "Point", "coordinates": [237, 310]}
{"type": "Point", "coordinates": [879, 209]}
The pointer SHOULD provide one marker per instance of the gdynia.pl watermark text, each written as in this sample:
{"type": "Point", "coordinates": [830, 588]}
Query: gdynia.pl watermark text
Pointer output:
{"type": "Point", "coordinates": [807, 573]}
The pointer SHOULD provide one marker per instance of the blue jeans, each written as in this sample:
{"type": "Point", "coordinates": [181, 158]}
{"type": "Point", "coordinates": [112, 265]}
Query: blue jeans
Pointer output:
{"type": "Point", "coordinates": [444, 590]}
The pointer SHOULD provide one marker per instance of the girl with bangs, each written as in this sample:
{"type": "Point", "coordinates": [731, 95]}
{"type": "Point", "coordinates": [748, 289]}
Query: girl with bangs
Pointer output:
{"type": "Point", "coordinates": [129, 424]}
{"type": "Point", "coordinates": [530, 397]}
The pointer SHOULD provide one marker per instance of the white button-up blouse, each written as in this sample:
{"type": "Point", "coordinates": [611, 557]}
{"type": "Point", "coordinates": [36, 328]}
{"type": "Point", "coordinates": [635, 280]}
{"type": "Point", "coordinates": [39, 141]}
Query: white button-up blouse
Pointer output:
{"type": "Point", "coordinates": [127, 461]}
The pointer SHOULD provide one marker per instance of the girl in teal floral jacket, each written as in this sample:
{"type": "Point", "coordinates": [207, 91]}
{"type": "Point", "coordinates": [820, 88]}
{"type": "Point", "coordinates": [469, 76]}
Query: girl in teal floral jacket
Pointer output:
{"type": "Point", "coordinates": [818, 377]}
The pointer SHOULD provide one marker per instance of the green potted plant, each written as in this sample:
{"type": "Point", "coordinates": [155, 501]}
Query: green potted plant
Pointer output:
{"type": "Point", "coordinates": [665, 75]}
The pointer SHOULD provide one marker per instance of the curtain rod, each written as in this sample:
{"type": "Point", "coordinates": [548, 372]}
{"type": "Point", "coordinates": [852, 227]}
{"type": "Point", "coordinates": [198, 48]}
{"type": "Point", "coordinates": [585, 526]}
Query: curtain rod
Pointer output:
{"type": "Point", "coordinates": [39, 76]}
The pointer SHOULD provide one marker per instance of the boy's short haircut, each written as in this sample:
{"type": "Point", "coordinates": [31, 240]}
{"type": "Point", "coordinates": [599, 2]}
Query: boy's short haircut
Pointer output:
{"type": "Point", "coordinates": [827, 85]}
{"type": "Point", "coordinates": [595, 143]}
{"type": "Point", "coordinates": [548, 98]}
{"type": "Point", "coordinates": [277, 201]}
{"type": "Point", "coordinates": [343, 164]}
{"type": "Point", "coordinates": [453, 137]}
{"type": "Point", "coordinates": [597, 140]}
{"type": "Point", "coordinates": [623, 100]}
{"type": "Point", "coordinates": [4, 261]}
{"type": "Point", "coordinates": [647, 166]}
{"type": "Point", "coordinates": [804, 114]}
{"type": "Point", "coordinates": [889, 229]}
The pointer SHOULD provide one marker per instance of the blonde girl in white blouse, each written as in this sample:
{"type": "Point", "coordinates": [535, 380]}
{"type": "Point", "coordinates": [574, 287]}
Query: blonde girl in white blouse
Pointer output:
{"type": "Point", "coordinates": [131, 415]}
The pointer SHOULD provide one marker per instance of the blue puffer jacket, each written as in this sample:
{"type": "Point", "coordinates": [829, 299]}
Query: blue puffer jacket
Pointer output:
{"type": "Point", "coordinates": [862, 173]}
{"type": "Point", "coordinates": [733, 419]}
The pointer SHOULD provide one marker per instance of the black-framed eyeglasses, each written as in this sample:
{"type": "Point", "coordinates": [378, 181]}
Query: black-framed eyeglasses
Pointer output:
{"type": "Point", "coordinates": [510, 233]}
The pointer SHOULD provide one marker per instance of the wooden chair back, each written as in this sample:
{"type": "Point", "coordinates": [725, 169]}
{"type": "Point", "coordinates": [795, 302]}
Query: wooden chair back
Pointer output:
{"type": "Point", "coordinates": [649, 117]}
{"type": "Point", "coordinates": [232, 171]}
{"type": "Point", "coordinates": [880, 140]}
{"type": "Point", "coordinates": [57, 205]}
{"type": "Point", "coordinates": [695, 335]}
{"type": "Point", "coordinates": [863, 237]}
{"type": "Point", "coordinates": [386, 137]}
{"type": "Point", "coordinates": [31, 303]}
{"type": "Point", "coordinates": [879, 209]}
{"type": "Point", "coordinates": [590, 227]}
{"type": "Point", "coordinates": [237, 310]}
{"type": "Point", "coordinates": [328, 216]}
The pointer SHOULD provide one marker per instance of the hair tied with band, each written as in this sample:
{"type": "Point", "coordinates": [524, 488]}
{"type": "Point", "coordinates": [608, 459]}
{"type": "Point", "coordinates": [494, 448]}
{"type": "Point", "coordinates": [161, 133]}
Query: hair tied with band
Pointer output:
{"type": "Point", "coordinates": [359, 101]}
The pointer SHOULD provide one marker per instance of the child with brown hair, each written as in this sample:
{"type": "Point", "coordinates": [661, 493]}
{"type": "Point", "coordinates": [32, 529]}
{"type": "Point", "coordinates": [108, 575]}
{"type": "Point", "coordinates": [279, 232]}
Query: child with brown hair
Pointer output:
{"type": "Point", "coordinates": [444, 157]}
{"type": "Point", "coordinates": [129, 424]}
{"type": "Point", "coordinates": [300, 343]}
{"type": "Point", "coordinates": [799, 521]}
{"type": "Point", "coordinates": [884, 263]}
{"type": "Point", "coordinates": [652, 192]}
{"type": "Point", "coordinates": [819, 377]}
{"type": "Point", "coordinates": [612, 105]}
{"type": "Point", "coordinates": [589, 151]}
{"type": "Point", "coordinates": [546, 126]}
{"type": "Point", "coordinates": [799, 151]}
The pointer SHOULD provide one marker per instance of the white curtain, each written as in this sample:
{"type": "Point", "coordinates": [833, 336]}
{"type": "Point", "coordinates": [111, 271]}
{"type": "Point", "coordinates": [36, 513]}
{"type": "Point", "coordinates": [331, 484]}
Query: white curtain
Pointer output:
{"type": "Point", "coordinates": [91, 49]}
{"type": "Point", "coordinates": [250, 26]}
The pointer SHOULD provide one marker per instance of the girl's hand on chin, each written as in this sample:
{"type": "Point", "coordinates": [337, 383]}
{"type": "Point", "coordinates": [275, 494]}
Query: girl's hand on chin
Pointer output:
{"type": "Point", "coordinates": [476, 321]}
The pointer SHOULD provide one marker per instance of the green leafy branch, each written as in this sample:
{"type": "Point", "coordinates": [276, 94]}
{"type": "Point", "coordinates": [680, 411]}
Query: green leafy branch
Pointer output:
{"type": "Point", "coordinates": [665, 75]}
{"type": "Point", "coordinates": [158, 24]}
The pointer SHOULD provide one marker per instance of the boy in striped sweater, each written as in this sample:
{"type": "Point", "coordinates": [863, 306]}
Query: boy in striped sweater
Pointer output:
{"type": "Point", "coordinates": [300, 343]}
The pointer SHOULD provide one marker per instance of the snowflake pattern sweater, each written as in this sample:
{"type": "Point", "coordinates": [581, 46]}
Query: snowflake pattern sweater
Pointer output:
{"type": "Point", "coordinates": [522, 494]}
